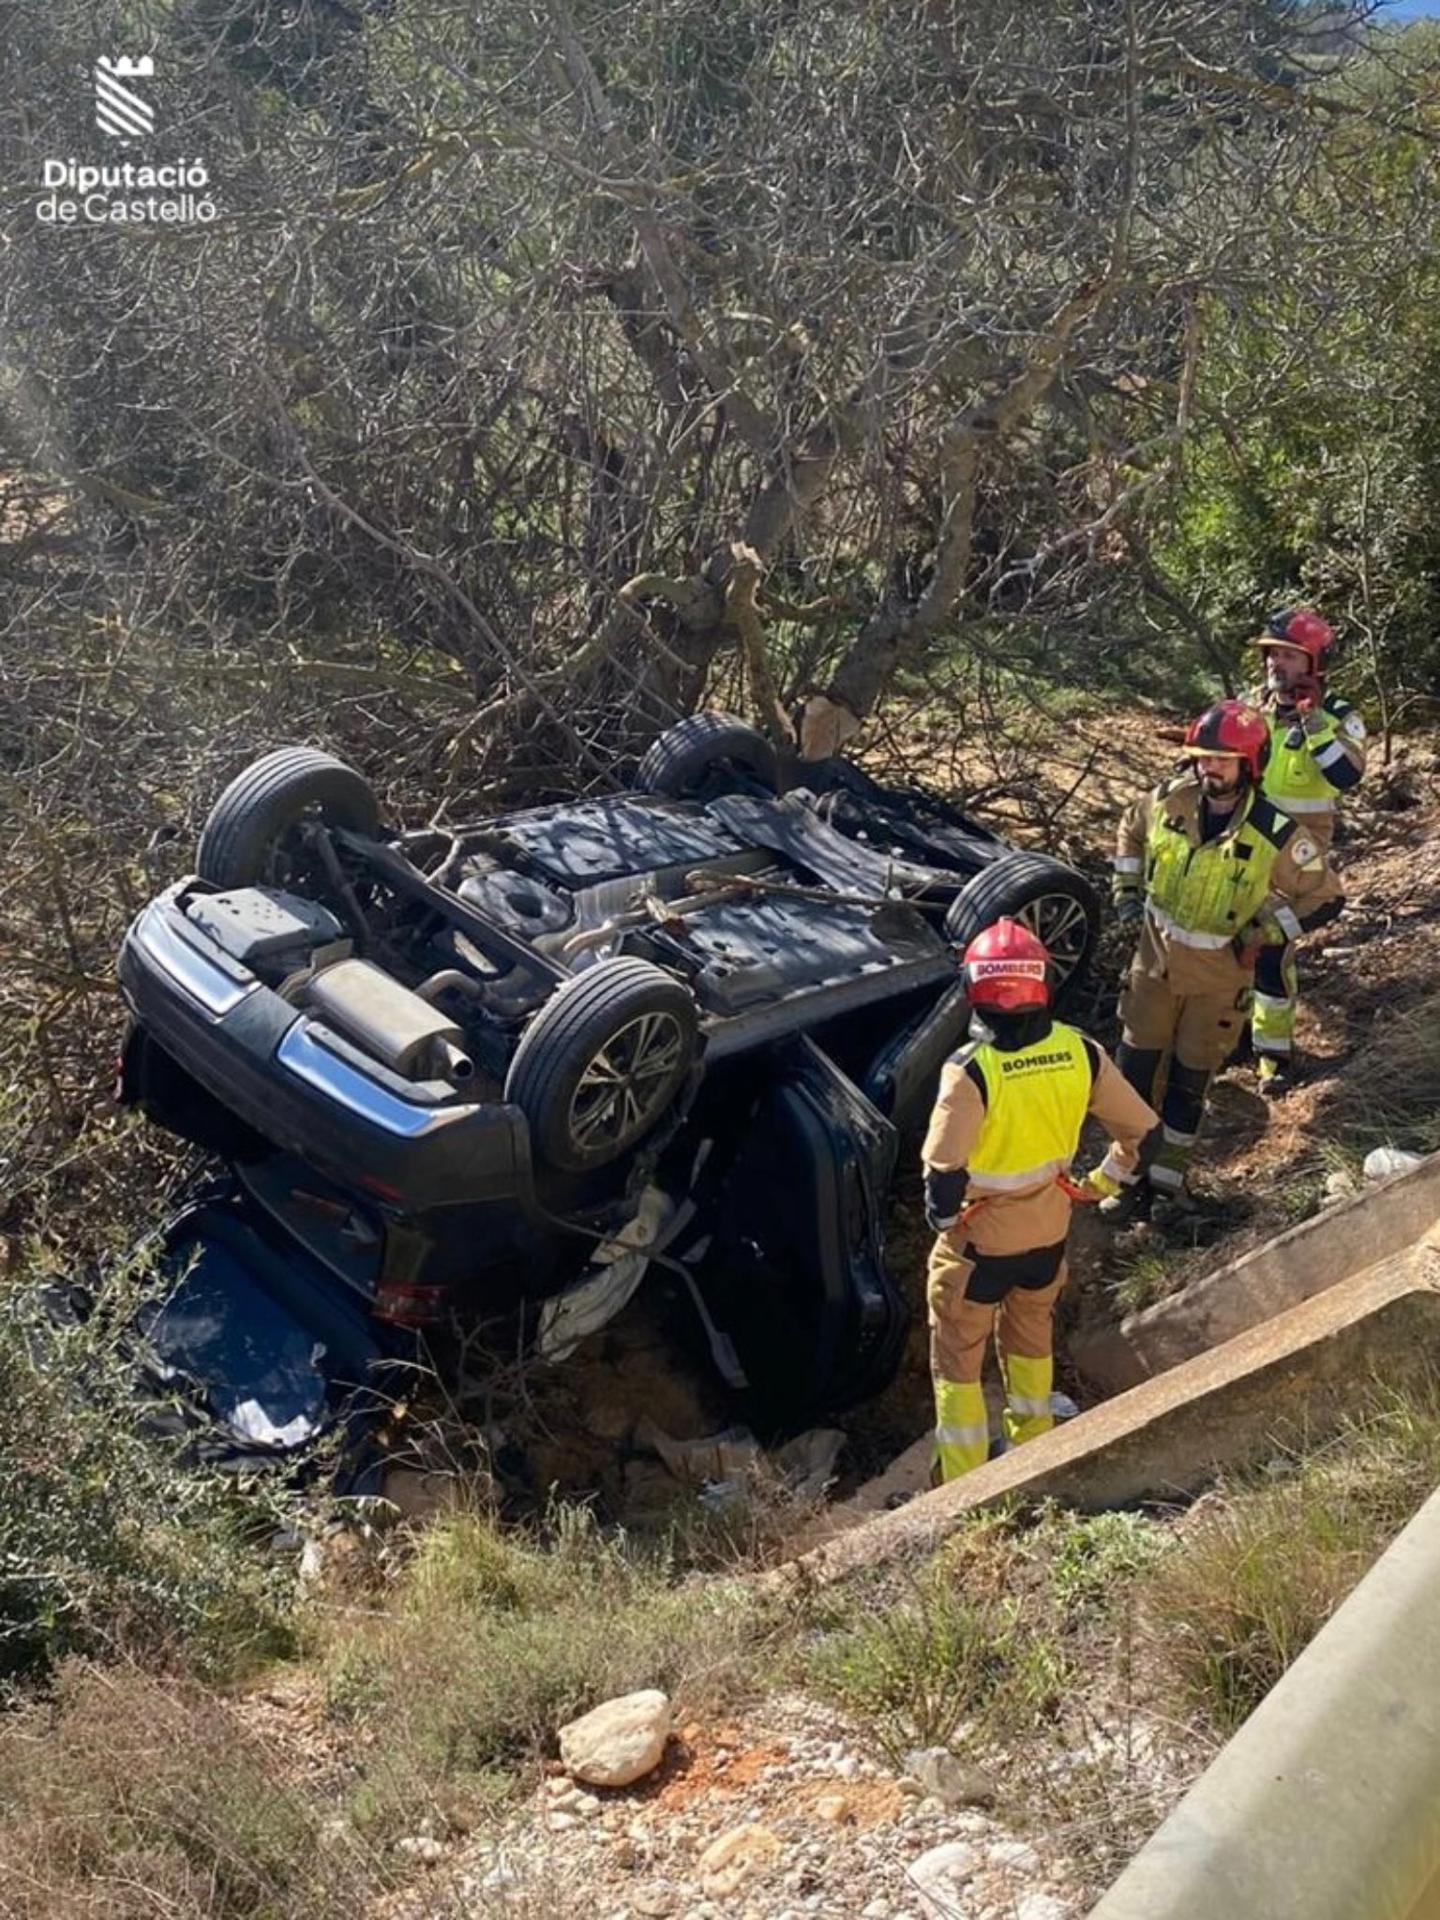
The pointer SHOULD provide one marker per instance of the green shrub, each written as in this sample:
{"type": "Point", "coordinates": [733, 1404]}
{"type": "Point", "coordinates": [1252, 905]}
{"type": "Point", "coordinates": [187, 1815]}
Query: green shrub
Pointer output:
{"type": "Point", "coordinates": [1140, 1280]}
{"type": "Point", "coordinates": [962, 1650]}
{"type": "Point", "coordinates": [1098, 1555]}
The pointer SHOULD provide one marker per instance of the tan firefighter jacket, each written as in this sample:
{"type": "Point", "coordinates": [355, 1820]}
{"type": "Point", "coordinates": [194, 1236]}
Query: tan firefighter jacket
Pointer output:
{"type": "Point", "coordinates": [1013, 1120]}
{"type": "Point", "coordinates": [1263, 880]}
{"type": "Point", "coordinates": [1312, 764]}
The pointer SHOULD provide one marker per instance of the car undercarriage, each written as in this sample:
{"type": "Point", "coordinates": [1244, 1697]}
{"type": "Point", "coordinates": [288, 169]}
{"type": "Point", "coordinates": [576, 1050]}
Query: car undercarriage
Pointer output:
{"type": "Point", "coordinates": [491, 1075]}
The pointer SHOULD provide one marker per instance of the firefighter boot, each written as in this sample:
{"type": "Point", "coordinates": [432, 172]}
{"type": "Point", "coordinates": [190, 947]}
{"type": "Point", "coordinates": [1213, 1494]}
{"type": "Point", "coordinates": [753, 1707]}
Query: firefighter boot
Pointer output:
{"type": "Point", "coordinates": [1275, 1074]}
{"type": "Point", "coordinates": [1130, 1204]}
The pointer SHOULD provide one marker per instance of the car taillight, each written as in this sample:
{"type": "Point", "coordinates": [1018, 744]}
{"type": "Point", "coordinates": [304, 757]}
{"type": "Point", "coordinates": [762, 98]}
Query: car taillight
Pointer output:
{"type": "Point", "coordinates": [401, 1303]}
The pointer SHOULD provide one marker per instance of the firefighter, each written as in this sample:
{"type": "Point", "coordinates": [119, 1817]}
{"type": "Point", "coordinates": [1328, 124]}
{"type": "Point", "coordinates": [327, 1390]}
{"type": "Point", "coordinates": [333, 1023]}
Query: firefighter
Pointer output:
{"type": "Point", "coordinates": [1212, 873]}
{"type": "Point", "coordinates": [997, 1155]}
{"type": "Point", "coordinates": [1317, 754]}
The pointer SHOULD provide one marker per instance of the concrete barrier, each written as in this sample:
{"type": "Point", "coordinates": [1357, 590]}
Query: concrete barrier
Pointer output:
{"type": "Point", "coordinates": [1170, 1435]}
{"type": "Point", "coordinates": [1307, 1259]}
{"type": "Point", "coordinates": [1326, 1804]}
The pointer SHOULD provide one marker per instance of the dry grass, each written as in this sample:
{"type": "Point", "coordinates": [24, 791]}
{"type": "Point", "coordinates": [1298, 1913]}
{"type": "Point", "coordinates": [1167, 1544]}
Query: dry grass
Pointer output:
{"type": "Point", "coordinates": [489, 1641]}
{"type": "Point", "coordinates": [129, 1797]}
{"type": "Point", "coordinates": [1390, 1093]}
{"type": "Point", "coordinates": [1261, 1566]}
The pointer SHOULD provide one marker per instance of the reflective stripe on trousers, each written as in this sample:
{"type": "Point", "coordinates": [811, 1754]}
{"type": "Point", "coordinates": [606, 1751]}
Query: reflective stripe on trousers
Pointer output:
{"type": "Point", "coordinates": [962, 1427]}
{"type": "Point", "coordinates": [1028, 1382]}
{"type": "Point", "coordinates": [1272, 1023]}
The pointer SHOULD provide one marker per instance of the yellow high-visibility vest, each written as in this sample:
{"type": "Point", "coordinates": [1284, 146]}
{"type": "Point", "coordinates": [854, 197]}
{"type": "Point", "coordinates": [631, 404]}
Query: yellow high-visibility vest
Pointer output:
{"type": "Point", "coordinates": [1209, 892]}
{"type": "Point", "coordinates": [1035, 1105]}
{"type": "Point", "coordinates": [1294, 777]}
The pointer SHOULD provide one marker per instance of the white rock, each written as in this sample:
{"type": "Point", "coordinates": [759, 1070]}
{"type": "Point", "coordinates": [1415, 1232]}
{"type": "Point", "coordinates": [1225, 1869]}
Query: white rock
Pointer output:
{"type": "Point", "coordinates": [561, 1822]}
{"type": "Point", "coordinates": [1381, 1162]}
{"type": "Point", "coordinates": [421, 1847]}
{"type": "Point", "coordinates": [877, 1910]}
{"type": "Point", "coordinates": [1014, 1856]}
{"type": "Point", "coordinates": [619, 1741]}
{"type": "Point", "coordinates": [939, 1875]}
{"type": "Point", "coordinates": [732, 1858]}
{"type": "Point", "coordinates": [948, 1780]}
{"type": "Point", "coordinates": [654, 1902]}
{"type": "Point", "coordinates": [1041, 1906]}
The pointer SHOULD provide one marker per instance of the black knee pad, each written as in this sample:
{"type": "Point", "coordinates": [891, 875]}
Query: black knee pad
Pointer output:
{"type": "Point", "coordinates": [1139, 1066]}
{"type": "Point", "coordinates": [1270, 972]}
{"type": "Point", "coordinates": [1185, 1097]}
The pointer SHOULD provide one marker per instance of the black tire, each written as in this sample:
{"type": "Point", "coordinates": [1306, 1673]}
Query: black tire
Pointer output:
{"type": "Point", "coordinates": [1057, 904]}
{"type": "Point", "coordinates": [641, 1024]}
{"type": "Point", "coordinates": [710, 753]}
{"type": "Point", "coordinates": [242, 842]}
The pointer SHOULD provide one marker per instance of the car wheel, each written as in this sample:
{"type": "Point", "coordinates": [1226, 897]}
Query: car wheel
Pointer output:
{"type": "Point", "coordinates": [601, 1062]}
{"type": "Point", "coordinates": [250, 836]}
{"type": "Point", "coordinates": [711, 754]}
{"type": "Point", "coordinates": [1057, 904]}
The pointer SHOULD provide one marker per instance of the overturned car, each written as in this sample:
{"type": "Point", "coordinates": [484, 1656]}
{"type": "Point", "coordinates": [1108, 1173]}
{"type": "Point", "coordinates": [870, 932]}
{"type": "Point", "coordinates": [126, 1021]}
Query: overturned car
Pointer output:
{"type": "Point", "coordinates": [484, 1076]}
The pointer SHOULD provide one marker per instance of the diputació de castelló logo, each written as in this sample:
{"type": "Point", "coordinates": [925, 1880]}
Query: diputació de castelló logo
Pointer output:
{"type": "Point", "coordinates": [120, 192]}
{"type": "Point", "coordinates": [119, 110]}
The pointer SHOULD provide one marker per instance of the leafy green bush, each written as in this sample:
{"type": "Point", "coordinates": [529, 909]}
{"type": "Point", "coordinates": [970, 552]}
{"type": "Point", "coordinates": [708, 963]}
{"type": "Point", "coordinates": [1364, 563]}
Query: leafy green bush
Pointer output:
{"type": "Point", "coordinates": [1098, 1554]}
{"type": "Point", "coordinates": [110, 1538]}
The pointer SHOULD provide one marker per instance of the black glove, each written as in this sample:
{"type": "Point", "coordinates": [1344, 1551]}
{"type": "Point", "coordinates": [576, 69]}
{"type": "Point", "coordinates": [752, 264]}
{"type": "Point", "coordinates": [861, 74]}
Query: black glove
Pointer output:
{"type": "Point", "coordinates": [944, 1197]}
{"type": "Point", "coordinates": [1129, 910]}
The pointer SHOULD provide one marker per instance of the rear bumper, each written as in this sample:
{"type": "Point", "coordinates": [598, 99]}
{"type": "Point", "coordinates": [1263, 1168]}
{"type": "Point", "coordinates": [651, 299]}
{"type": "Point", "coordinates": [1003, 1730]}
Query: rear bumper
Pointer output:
{"type": "Point", "coordinates": [303, 1088]}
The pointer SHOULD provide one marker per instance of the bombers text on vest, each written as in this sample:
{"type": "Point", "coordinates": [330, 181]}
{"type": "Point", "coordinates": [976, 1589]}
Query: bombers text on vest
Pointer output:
{"type": "Point", "coordinates": [1035, 1104]}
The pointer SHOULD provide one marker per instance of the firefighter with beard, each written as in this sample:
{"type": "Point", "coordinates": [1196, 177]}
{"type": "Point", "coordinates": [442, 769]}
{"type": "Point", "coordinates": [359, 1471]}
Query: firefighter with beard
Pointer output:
{"type": "Point", "coordinates": [998, 1194]}
{"type": "Point", "coordinates": [1212, 874]}
{"type": "Point", "coordinates": [1317, 754]}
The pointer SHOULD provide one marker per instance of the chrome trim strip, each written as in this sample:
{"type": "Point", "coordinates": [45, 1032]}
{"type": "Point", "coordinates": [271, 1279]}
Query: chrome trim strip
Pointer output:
{"type": "Point", "coordinates": [207, 984]}
{"type": "Point", "coordinates": [304, 1056]}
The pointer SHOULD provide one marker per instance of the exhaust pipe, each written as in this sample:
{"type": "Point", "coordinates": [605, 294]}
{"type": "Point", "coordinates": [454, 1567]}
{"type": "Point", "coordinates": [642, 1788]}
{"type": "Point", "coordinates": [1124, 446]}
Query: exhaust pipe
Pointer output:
{"type": "Point", "coordinates": [389, 1021]}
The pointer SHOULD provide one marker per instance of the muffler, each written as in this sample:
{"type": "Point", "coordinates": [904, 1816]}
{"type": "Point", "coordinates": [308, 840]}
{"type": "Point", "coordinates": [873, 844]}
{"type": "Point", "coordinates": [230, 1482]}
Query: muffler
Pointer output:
{"type": "Point", "coordinates": [397, 1026]}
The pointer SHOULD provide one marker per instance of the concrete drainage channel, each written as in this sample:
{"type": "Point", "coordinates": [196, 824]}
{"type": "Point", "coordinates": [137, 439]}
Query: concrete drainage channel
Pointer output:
{"type": "Point", "coordinates": [1327, 1803]}
{"type": "Point", "coordinates": [1261, 1348]}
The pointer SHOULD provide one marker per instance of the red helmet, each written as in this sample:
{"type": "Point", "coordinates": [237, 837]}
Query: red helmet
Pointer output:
{"type": "Point", "coordinates": [1007, 968]}
{"type": "Point", "coordinates": [1299, 627]}
{"type": "Point", "coordinates": [1234, 730]}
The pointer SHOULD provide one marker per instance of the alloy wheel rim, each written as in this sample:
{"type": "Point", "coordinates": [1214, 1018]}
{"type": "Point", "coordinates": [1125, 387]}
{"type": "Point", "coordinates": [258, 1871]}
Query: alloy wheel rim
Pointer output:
{"type": "Point", "coordinates": [627, 1083]}
{"type": "Point", "coordinates": [1062, 924]}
